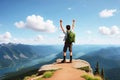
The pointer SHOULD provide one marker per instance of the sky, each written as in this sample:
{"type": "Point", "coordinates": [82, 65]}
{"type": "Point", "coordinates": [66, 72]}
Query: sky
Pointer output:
{"type": "Point", "coordinates": [37, 21]}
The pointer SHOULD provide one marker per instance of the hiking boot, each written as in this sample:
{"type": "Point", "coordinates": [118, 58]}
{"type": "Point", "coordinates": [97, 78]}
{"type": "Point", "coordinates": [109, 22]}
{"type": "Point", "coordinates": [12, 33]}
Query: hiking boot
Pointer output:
{"type": "Point", "coordinates": [64, 59]}
{"type": "Point", "coordinates": [70, 59]}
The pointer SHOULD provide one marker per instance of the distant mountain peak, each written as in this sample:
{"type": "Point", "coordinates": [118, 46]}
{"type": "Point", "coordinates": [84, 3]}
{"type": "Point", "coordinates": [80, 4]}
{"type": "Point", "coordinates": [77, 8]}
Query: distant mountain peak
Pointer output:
{"type": "Point", "coordinates": [7, 57]}
{"type": "Point", "coordinates": [15, 57]}
{"type": "Point", "coordinates": [23, 56]}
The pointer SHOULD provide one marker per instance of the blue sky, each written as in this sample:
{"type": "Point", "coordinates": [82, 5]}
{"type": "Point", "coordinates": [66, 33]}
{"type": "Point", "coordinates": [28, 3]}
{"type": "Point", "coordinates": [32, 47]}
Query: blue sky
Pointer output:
{"type": "Point", "coordinates": [37, 21]}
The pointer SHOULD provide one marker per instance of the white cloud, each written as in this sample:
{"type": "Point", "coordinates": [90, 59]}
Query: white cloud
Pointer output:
{"type": "Point", "coordinates": [61, 35]}
{"type": "Point", "coordinates": [89, 32]}
{"type": "Point", "coordinates": [105, 30]}
{"type": "Point", "coordinates": [98, 40]}
{"type": "Point", "coordinates": [112, 36]}
{"type": "Point", "coordinates": [5, 37]}
{"type": "Point", "coordinates": [20, 24]}
{"type": "Point", "coordinates": [39, 38]}
{"type": "Point", "coordinates": [35, 40]}
{"type": "Point", "coordinates": [114, 30]}
{"type": "Point", "coordinates": [107, 13]}
{"type": "Point", "coordinates": [23, 41]}
{"type": "Point", "coordinates": [61, 38]}
{"type": "Point", "coordinates": [69, 8]}
{"type": "Point", "coordinates": [37, 23]}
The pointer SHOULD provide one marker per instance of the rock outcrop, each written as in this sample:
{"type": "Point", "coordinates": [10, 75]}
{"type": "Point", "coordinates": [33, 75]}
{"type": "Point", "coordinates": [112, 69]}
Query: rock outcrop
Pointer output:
{"type": "Point", "coordinates": [75, 64]}
{"type": "Point", "coordinates": [65, 71]}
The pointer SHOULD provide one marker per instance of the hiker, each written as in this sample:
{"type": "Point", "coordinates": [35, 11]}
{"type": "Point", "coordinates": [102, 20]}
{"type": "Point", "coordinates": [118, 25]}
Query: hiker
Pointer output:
{"type": "Point", "coordinates": [69, 38]}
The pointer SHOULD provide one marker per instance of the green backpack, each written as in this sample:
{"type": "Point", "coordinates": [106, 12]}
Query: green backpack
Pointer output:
{"type": "Point", "coordinates": [70, 37]}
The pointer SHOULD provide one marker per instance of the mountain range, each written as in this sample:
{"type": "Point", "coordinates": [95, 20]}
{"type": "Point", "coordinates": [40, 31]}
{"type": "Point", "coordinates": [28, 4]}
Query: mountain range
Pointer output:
{"type": "Point", "coordinates": [108, 58]}
{"type": "Point", "coordinates": [19, 58]}
{"type": "Point", "coordinates": [10, 54]}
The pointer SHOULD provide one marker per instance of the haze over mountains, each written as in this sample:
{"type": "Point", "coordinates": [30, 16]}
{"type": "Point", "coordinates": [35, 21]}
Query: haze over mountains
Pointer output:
{"type": "Point", "coordinates": [108, 58]}
{"type": "Point", "coordinates": [12, 53]}
{"type": "Point", "coordinates": [14, 57]}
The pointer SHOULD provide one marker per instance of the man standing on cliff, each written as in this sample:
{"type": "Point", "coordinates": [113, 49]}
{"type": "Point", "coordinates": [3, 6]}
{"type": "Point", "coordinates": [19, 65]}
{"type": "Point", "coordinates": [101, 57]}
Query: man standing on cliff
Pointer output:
{"type": "Point", "coordinates": [69, 39]}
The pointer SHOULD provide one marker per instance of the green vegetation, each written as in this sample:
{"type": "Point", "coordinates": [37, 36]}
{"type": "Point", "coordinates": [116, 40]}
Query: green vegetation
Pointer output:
{"type": "Point", "coordinates": [102, 73]}
{"type": "Point", "coordinates": [90, 77]}
{"type": "Point", "coordinates": [39, 79]}
{"type": "Point", "coordinates": [48, 74]}
{"type": "Point", "coordinates": [29, 77]}
{"type": "Point", "coordinates": [21, 75]}
{"type": "Point", "coordinates": [97, 69]}
{"type": "Point", "coordinates": [98, 73]}
{"type": "Point", "coordinates": [86, 68]}
{"type": "Point", "coordinates": [33, 76]}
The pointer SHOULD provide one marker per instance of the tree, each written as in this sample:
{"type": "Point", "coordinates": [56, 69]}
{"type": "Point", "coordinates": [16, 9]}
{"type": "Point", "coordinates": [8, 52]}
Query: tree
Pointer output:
{"type": "Point", "coordinates": [102, 74]}
{"type": "Point", "coordinates": [106, 79]}
{"type": "Point", "coordinates": [97, 69]}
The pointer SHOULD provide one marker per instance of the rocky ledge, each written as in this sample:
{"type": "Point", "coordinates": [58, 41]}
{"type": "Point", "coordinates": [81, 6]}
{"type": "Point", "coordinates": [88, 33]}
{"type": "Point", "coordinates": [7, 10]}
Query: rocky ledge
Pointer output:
{"type": "Point", "coordinates": [76, 63]}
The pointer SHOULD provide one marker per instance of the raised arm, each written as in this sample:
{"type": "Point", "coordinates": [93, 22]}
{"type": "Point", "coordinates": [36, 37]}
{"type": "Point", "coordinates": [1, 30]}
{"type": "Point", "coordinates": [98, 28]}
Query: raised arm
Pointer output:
{"type": "Point", "coordinates": [62, 26]}
{"type": "Point", "coordinates": [73, 24]}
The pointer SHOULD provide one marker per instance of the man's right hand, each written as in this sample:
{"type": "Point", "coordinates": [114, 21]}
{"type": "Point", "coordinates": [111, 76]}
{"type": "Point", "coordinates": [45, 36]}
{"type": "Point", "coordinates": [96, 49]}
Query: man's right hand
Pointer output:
{"type": "Point", "coordinates": [60, 21]}
{"type": "Point", "coordinates": [73, 20]}
{"type": "Point", "coordinates": [62, 26]}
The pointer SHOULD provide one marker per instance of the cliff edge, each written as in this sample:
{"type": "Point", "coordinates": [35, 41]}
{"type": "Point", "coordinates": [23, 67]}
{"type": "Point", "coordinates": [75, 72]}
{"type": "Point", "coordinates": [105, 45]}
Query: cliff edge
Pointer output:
{"type": "Point", "coordinates": [64, 71]}
{"type": "Point", "coordinates": [58, 65]}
